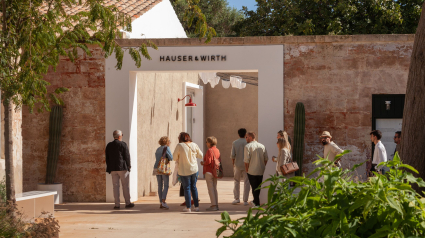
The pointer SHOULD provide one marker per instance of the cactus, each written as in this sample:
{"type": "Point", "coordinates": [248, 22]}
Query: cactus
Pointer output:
{"type": "Point", "coordinates": [55, 131]}
{"type": "Point", "coordinates": [299, 131]}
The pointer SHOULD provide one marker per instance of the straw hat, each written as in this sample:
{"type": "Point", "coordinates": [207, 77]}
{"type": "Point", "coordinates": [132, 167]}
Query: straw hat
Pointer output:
{"type": "Point", "coordinates": [326, 134]}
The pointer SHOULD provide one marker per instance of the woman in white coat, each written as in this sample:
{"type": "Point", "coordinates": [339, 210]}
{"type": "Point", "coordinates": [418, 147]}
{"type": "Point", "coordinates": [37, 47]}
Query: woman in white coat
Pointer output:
{"type": "Point", "coordinates": [186, 155]}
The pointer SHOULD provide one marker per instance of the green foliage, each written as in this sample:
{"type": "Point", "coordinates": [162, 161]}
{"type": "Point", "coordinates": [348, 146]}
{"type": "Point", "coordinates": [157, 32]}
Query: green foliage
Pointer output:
{"type": "Point", "coordinates": [217, 13]}
{"type": "Point", "coordinates": [3, 190]}
{"type": "Point", "coordinates": [33, 40]}
{"type": "Point", "coordinates": [13, 224]}
{"type": "Point", "coordinates": [299, 131]}
{"type": "Point", "coordinates": [323, 17]}
{"type": "Point", "coordinates": [55, 134]}
{"type": "Point", "coordinates": [337, 205]}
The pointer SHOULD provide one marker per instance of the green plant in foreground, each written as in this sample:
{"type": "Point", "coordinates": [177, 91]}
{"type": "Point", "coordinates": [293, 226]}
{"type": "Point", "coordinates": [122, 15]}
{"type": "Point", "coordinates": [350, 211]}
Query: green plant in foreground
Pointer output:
{"type": "Point", "coordinates": [340, 206]}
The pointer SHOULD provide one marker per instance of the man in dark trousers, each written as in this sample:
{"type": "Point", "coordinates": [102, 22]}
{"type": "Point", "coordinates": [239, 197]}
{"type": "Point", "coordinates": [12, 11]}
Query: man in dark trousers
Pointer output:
{"type": "Point", "coordinates": [118, 165]}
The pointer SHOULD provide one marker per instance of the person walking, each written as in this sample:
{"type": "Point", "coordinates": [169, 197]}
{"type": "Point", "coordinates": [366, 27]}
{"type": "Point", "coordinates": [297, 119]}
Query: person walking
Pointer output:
{"type": "Point", "coordinates": [330, 148]}
{"type": "Point", "coordinates": [163, 151]}
{"type": "Point", "coordinates": [284, 156]}
{"type": "Point", "coordinates": [185, 155]}
{"type": "Point", "coordinates": [397, 140]}
{"type": "Point", "coordinates": [380, 154]}
{"type": "Point", "coordinates": [255, 159]}
{"type": "Point", "coordinates": [209, 162]}
{"type": "Point", "coordinates": [237, 156]}
{"type": "Point", "coordinates": [118, 164]}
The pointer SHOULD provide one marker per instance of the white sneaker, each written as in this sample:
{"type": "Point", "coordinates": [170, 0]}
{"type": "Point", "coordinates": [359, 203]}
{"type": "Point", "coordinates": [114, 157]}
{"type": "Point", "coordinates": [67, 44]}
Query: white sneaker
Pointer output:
{"type": "Point", "coordinates": [196, 209]}
{"type": "Point", "coordinates": [236, 201]}
{"type": "Point", "coordinates": [186, 209]}
{"type": "Point", "coordinates": [165, 206]}
{"type": "Point", "coordinates": [246, 203]}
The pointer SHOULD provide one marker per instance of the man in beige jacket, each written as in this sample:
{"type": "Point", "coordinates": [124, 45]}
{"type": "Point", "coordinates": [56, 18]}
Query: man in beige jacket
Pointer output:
{"type": "Point", "coordinates": [330, 148]}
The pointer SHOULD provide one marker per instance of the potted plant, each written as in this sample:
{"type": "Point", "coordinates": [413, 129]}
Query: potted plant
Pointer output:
{"type": "Point", "coordinates": [55, 131]}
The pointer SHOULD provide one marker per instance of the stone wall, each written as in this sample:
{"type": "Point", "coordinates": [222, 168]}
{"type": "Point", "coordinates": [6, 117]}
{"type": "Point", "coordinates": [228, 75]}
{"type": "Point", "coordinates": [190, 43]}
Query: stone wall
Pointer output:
{"type": "Point", "coordinates": [227, 110]}
{"type": "Point", "coordinates": [335, 81]}
{"type": "Point", "coordinates": [81, 165]}
{"type": "Point", "coordinates": [158, 114]}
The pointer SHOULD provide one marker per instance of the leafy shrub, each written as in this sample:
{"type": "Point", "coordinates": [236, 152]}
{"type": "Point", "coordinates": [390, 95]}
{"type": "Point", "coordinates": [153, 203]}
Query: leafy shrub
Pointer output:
{"type": "Point", "coordinates": [3, 190]}
{"type": "Point", "coordinates": [383, 206]}
{"type": "Point", "coordinates": [12, 224]}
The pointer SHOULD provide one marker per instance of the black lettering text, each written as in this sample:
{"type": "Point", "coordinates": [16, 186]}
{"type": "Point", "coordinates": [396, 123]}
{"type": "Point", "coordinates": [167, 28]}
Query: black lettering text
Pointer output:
{"type": "Point", "coordinates": [179, 58]}
{"type": "Point", "coordinates": [173, 59]}
{"type": "Point", "coordinates": [168, 58]}
{"type": "Point", "coordinates": [196, 58]}
{"type": "Point", "coordinates": [190, 58]}
{"type": "Point", "coordinates": [212, 58]}
{"type": "Point", "coordinates": [203, 58]}
{"type": "Point", "coordinates": [218, 57]}
{"type": "Point", "coordinates": [161, 58]}
{"type": "Point", "coordinates": [223, 58]}
{"type": "Point", "coordinates": [184, 58]}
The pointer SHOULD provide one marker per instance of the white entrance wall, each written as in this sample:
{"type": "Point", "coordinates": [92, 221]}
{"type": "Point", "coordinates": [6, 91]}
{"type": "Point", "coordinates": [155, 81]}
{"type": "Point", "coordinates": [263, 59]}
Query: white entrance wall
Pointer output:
{"type": "Point", "coordinates": [121, 92]}
{"type": "Point", "coordinates": [197, 135]}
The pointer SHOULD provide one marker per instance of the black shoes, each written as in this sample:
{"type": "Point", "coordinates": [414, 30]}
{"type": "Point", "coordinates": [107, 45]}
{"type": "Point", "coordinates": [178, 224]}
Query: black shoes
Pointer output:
{"type": "Point", "coordinates": [117, 208]}
{"type": "Point", "coordinates": [129, 205]}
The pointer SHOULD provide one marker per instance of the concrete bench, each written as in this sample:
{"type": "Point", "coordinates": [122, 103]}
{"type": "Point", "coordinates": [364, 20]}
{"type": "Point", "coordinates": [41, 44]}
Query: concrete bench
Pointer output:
{"type": "Point", "coordinates": [33, 203]}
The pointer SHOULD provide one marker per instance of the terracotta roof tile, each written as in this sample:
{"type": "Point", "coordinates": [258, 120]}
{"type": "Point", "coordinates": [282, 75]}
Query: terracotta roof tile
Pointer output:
{"type": "Point", "coordinates": [134, 8]}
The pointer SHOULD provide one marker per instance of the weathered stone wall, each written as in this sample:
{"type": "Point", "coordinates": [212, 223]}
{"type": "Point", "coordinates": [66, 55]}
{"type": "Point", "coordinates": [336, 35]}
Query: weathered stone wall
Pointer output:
{"type": "Point", "coordinates": [81, 165]}
{"type": "Point", "coordinates": [335, 81]}
{"type": "Point", "coordinates": [158, 114]}
{"type": "Point", "coordinates": [227, 110]}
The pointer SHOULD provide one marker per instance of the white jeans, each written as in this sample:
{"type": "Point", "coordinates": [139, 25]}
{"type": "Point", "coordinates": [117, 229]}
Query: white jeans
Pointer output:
{"type": "Point", "coordinates": [124, 176]}
{"type": "Point", "coordinates": [238, 173]}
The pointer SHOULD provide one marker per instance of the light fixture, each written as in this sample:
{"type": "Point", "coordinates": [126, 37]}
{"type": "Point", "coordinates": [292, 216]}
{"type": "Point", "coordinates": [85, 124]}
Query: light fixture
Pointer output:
{"type": "Point", "coordinates": [190, 103]}
{"type": "Point", "coordinates": [388, 103]}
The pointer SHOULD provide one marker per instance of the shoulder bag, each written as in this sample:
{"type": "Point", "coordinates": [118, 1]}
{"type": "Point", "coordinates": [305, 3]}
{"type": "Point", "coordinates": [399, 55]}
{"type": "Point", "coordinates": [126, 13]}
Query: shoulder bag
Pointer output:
{"type": "Point", "coordinates": [289, 168]}
{"type": "Point", "coordinates": [217, 168]}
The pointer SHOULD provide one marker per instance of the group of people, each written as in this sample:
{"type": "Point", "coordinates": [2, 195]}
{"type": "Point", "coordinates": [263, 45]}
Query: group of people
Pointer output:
{"type": "Point", "coordinates": [249, 158]}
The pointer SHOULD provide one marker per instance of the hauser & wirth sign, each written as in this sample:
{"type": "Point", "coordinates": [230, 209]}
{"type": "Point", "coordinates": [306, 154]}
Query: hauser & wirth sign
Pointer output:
{"type": "Point", "coordinates": [192, 58]}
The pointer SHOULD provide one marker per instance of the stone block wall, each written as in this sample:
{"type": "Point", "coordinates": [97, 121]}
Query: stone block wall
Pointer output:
{"type": "Point", "coordinates": [81, 166]}
{"type": "Point", "coordinates": [335, 81]}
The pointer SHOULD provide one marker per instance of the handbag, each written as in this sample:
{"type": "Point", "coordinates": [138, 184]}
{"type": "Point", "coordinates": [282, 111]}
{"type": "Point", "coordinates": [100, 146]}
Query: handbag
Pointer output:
{"type": "Point", "coordinates": [164, 167]}
{"type": "Point", "coordinates": [289, 168]}
{"type": "Point", "coordinates": [217, 168]}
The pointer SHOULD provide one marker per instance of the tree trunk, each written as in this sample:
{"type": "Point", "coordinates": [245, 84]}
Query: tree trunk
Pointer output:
{"type": "Point", "coordinates": [412, 150]}
{"type": "Point", "coordinates": [8, 152]}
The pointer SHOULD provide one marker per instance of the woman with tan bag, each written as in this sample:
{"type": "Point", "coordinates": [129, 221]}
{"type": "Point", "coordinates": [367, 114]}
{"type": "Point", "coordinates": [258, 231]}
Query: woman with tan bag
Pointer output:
{"type": "Point", "coordinates": [209, 165]}
{"type": "Point", "coordinates": [284, 156]}
{"type": "Point", "coordinates": [163, 152]}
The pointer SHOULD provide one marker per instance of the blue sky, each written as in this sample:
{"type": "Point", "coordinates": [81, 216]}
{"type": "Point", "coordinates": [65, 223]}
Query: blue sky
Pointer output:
{"type": "Point", "coordinates": [239, 3]}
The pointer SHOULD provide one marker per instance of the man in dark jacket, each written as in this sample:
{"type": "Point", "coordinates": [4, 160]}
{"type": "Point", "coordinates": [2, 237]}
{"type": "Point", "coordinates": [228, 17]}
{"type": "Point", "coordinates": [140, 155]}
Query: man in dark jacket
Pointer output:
{"type": "Point", "coordinates": [118, 165]}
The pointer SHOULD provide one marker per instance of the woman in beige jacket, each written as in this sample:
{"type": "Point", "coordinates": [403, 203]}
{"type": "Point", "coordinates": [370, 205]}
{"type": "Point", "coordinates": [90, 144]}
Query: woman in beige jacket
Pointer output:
{"type": "Point", "coordinates": [185, 155]}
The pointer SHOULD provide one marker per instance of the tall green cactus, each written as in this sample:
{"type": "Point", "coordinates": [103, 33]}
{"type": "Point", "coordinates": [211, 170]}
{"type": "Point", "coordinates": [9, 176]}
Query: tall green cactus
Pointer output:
{"type": "Point", "coordinates": [55, 131]}
{"type": "Point", "coordinates": [299, 131]}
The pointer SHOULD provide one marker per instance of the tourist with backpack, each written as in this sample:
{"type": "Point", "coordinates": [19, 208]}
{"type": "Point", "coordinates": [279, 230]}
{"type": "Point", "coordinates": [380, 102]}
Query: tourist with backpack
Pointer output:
{"type": "Point", "coordinates": [212, 171]}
